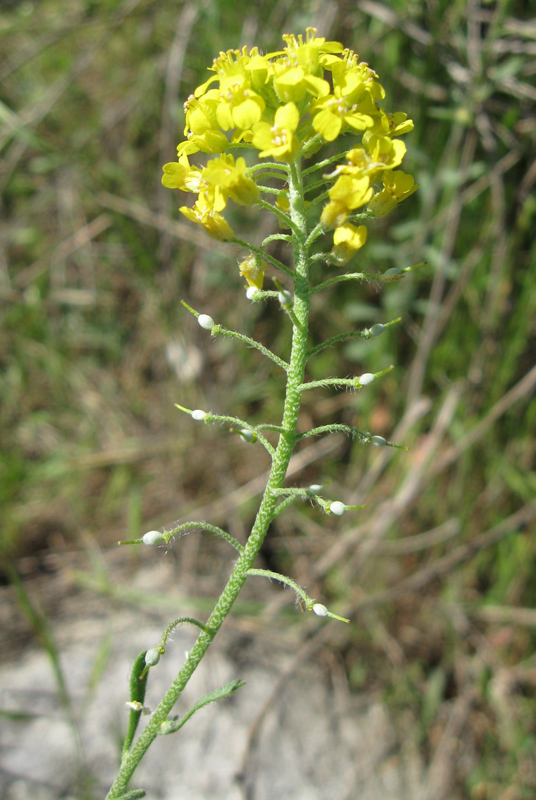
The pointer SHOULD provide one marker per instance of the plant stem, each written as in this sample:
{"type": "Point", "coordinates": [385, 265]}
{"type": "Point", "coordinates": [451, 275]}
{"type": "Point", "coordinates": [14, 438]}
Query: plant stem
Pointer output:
{"type": "Point", "coordinates": [267, 509]}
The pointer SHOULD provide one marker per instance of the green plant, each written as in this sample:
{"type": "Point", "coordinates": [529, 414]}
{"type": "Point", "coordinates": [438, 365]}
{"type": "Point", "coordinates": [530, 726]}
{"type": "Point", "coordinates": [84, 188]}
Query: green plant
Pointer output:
{"type": "Point", "coordinates": [283, 106]}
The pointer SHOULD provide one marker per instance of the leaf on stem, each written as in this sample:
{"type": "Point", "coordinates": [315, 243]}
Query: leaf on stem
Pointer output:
{"type": "Point", "coordinates": [173, 725]}
{"type": "Point", "coordinates": [138, 685]}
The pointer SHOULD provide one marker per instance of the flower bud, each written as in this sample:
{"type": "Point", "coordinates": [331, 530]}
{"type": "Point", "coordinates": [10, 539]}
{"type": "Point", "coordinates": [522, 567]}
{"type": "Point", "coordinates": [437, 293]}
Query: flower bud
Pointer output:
{"type": "Point", "coordinates": [392, 274]}
{"type": "Point", "coordinates": [152, 657]}
{"type": "Point", "coordinates": [206, 322]}
{"type": "Point", "coordinates": [286, 299]}
{"type": "Point", "coordinates": [377, 329]}
{"type": "Point", "coordinates": [365, 379]}
{"type": "Point", "coordinates": [320, 610]}
{"type": "Point", "coordinates": [199, 414]}
{"type": "Point", "coordinates": [253, 270]}
{"type": "Point", "coordinates": [248, 436]}
{"type": "Point", "coordinates": [153, 537]}
{"type": "Point", "coordinates": [337, 508]}
{"type": "Point", "coordinates": [169, 726]}
{"type": "Point", "coordinates": [378, 441]}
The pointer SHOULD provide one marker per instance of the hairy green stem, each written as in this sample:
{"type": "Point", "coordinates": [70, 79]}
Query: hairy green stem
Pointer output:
{"type": "Point", "coordinates": [269, 504]}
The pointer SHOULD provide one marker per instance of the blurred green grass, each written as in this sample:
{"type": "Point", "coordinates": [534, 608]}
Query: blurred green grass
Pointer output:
{"type": "Point", "coordinates": [95, 349]}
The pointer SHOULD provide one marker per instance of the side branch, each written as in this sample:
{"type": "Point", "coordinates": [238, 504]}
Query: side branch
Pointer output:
{"type": "Point", "coordinates": [276, 576]}
{"type": "Point", "coordinates": [351, 383]}
{"type": "Point", "coordinates": [349, 276]}
{"type": "Point", "coordinates": [219, 330]}
{"type": "Point", "coordinates": [277, 237]}
{"type": "Point", "coordinates": [366, 333]}
{"type": "Point", "coordinates": [317, 231]}
{"type": "Point", "coordinates": [284, 504]}
{"type": "Point", "coordinates": [246, 427]}
{"type": "Point", "coordinates": [185, 527]}
{"type": "Point", "coordinates": [324, 163]}
{"type": "Point", "coordinates": [268, 427]}
{"type": "Point", "coordinates": [248, 432]}
{"type": "Point", "coordinates": [336, 428]}
{"type": "Point", "coordinates": [316, 185]}
{"type": "Point", "coordinates": [310, 145]}
{"type": "Point", "coordinates": [310, 604]}
{"type": "Point", "coordinates": [268, 165]}
{"type": "Point", "coordinates": [284, 218]}
{"type": "Point", "coordinates": [267, 257]}
{"type": "Point", "coordinates": [320, 199]}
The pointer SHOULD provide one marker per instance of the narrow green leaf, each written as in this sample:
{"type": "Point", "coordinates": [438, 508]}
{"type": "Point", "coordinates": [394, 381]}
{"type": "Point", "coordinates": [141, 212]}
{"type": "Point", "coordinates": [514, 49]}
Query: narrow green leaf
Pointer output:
{"type": "Point", "coordinates": [171, 726]}
{"type": "Point", "coordinates": [138, 685]}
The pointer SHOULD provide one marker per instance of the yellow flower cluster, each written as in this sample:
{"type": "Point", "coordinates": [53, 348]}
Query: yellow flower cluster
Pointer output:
{"type": "Point", "coordinates": [221, 179]}
{"type": "Point", "coordinates": [281, 104]}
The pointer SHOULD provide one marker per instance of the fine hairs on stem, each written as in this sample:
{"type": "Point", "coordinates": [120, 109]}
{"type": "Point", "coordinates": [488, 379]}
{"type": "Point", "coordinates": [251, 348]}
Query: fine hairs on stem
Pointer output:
{"type": "Point", "coordinates": [284, 107]}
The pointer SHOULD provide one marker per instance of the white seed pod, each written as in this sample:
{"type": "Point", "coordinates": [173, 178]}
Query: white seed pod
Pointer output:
{"type": "Point", "coordinates": [378, 441]}
{"type": "Point", "coordinates": [152, 538]}
{"type": "Point", "coordinates": [199, 414]}
{"type": "Point", "coordinates": [251, 292]}
{"type": "Point", "coordinates": [169, 726]}
{"type": "Point", "coordinates": [285, 298]}
{"type": "Point", "coordinates": [377, 329]}
{"type": "Point", "coordinates": [392, 273]}
{"type": "Point", "coordinates": [320, 610]}
{"type": "Point", "coordinates": [337, 508]}
{"type": "Point", "coordinates": [206, 322]}
{"type": "Point", "coordinates": [315, 488]}
{"type": "Point", "coordinates": [248, 436]}
{"type": "Point", "coordinates": [152, 657]}
{"type": "Point", "coordinates": [366, 378]}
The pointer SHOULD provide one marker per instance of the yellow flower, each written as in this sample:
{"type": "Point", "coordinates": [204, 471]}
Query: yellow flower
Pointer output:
{"type": "Point", "coordinates": [239, 106]}
{"type": "Point", "coordinates": [356, 82]}
{"type": "Point", "coordinates": [332, 113]}
{"type": "Point", "coordinates": [397, 186]}
{"type": "Point", "coordinates": [201, 113]}
{"type": "Point", "coordinates": [392, 124]}
{"type": "Point", "coordinates": [260, 100]}
{"type": "Point", "coordinates": [204, 214]}
{"type": "Point", "coordinates": [334, 214]}
{"type": "Point", "coordinates": [202, 129]}
{"type": "Point", "coordinates": [314, 52]}
{"type": "Point", "coordinates": [292, 83]}
{"type": "Point", "coordinates": [250, 65]}
{"type": "Point", "coordinates": [229, 177]}
{"type": "Point", "coordinates": [348, 193]}
{"type": "Point", "coordinates": [352, 191]}
{"type": "Point", "coordinates": [385, 153]}
{"type": "Point", "coordinates": [180, 175]}
{"type": "Point", "coordinates": [252, 269]}
{"type": "Point", "coordinates": [347, 240]}
{"type": "Point", "coordinates": [378, 154]}
{"type": "Point", "coordinates": [211, 142]}
{"type": "Point", "coordinates": [278, 140]}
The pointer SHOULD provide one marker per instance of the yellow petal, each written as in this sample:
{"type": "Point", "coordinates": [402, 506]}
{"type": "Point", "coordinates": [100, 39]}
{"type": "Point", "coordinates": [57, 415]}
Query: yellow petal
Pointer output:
{"type": "Point", "coordinates": [287, 117]}
{"type": "Point", "coordinates": [174, 175]}
{"type": "Point", "coordinates": [246, 114]}
{"type": "Point", "coordinates": [327, 124]}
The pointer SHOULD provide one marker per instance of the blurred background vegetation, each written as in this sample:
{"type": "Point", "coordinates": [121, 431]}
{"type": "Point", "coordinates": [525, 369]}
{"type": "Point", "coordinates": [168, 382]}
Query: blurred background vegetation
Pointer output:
{"type": "Point", "coordinates": [439, 571]}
